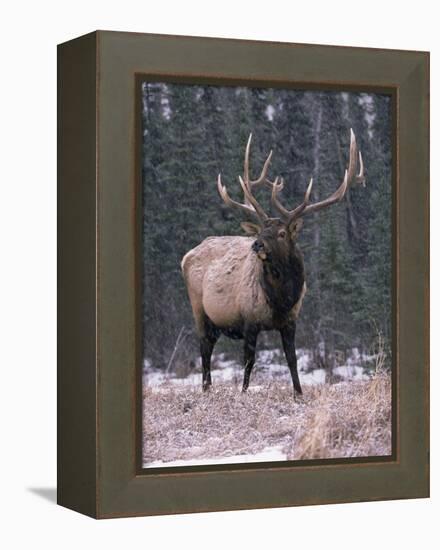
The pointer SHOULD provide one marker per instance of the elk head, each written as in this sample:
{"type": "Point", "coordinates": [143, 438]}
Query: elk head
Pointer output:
{"type": "Point", "coordinates": [276, 237]}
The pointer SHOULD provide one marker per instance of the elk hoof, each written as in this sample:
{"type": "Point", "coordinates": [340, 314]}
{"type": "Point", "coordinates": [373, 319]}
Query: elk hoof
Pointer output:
{"type": "Point", "coordinates": [298, 397]}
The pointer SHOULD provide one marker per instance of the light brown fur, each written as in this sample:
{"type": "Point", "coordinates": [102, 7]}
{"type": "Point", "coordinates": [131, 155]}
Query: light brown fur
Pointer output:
{"type": "Point", "coordinates": [222, 276]}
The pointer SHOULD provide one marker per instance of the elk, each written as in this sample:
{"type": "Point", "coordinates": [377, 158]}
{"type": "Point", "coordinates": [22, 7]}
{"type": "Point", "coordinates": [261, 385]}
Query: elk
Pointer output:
{"type": "Point", "coordinates": [241, 285]}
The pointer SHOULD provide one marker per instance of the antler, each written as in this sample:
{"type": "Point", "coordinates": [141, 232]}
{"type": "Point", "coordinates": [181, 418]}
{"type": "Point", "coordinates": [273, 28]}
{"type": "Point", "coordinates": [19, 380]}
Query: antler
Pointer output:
{"type": "Point", "coordinates": [262, 179]}
{"type": "Point", "coordinates": [253, 208]}
{"type": "Point", "coordinates": [304, 208]}
{"type": "Point", "coordinates": [234, 204]}
{"type": "Point", "coordinates": [251, 205]}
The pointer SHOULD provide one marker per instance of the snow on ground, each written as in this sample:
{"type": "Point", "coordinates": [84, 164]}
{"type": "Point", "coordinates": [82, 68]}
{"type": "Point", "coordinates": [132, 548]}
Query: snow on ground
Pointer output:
{"type": "Point", "coordinates": [268, 454]}
{"type": "Point", "coordinates": [313, 378]}
{"type": "Point", "coordinates": [184, 426]}
{"type": "Point", "coordinates": [350, 372]}
{"type": "Point", "coordinates": [268, 365]}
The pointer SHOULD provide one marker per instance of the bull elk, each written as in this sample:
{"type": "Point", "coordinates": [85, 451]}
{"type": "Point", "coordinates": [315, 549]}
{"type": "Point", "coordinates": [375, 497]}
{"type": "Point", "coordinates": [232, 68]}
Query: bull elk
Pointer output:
{"type": "Point", "coordinates": [239, 286]}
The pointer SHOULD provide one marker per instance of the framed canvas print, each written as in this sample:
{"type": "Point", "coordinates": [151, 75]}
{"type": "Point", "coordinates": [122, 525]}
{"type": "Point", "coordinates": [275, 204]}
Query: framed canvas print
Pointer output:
{"type": "Point", "coordinates": [243, 274]}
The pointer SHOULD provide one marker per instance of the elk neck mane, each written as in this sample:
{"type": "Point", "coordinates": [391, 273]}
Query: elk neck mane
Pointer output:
{"type": "Point", "coordinates": [282, 281]}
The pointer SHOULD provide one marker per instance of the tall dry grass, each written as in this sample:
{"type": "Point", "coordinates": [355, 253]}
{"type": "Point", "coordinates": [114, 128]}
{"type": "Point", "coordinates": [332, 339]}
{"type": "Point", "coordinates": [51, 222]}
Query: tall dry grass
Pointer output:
{"type": "Point", "coordinates": [349, 419]}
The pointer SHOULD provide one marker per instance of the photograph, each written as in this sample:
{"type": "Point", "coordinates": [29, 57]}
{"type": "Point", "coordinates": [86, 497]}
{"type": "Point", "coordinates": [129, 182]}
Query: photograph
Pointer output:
{"type": "Point", "coordinates": [217, 254]}
{"type": "Point", "coordinates": [267, 274]}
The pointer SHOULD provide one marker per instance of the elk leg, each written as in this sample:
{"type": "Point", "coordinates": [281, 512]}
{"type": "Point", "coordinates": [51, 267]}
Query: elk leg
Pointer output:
{"type": "Point", "coordinates": [288, 339]}
{"type": "Point", "coordinates": [207, 343]}
{"type": "Point", "coordinates": [250, 343]}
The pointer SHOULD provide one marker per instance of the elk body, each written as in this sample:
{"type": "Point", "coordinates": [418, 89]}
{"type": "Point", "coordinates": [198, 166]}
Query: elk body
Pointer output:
{"type": "Point", "coordinates": [239, 286]}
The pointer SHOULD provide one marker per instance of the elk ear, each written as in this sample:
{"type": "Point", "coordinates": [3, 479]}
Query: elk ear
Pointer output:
{"type": "Point", "coordinates": [295, 227]}
{"type": "Point", "coordinates": [250, 228]}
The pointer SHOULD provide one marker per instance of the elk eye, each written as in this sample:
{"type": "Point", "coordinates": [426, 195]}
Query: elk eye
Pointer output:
{"type": "Point", "coordinates": [282, 234]}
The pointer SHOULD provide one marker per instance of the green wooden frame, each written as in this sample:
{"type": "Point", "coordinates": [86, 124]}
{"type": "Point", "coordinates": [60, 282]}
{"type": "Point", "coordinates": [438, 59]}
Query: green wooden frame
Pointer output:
{"type": "Point", "coordinates": [98, 274]}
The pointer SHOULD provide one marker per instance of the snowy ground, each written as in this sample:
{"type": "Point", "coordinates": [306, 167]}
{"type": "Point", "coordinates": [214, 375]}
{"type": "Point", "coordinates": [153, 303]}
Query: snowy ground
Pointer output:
{"type": "Point", "coordinates": [268, 454]}
{"type": "Point", "coordinates": [270, 364]}
{"type": "Point", "coordinates": [185, 427]}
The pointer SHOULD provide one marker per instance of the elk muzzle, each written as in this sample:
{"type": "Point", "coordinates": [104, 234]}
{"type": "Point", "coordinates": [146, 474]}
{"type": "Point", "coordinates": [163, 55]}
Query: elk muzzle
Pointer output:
{"type": "Point", "coordinates": [259, 249]}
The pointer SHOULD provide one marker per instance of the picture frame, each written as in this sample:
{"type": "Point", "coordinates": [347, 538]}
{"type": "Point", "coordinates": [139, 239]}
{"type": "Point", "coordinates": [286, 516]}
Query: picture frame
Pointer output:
{"type": "Point", "coordinates": [99, 341]}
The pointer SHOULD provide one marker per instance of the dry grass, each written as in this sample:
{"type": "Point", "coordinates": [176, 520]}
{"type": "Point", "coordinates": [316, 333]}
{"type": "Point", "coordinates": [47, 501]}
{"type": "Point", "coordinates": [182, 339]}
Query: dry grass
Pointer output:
{"type": "Point", "coordinates": [351, 419]}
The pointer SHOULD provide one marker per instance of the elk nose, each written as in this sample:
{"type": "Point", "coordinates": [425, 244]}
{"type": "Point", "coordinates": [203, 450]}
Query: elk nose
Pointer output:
{"type": "Point", "coordinates": [257, 246]}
